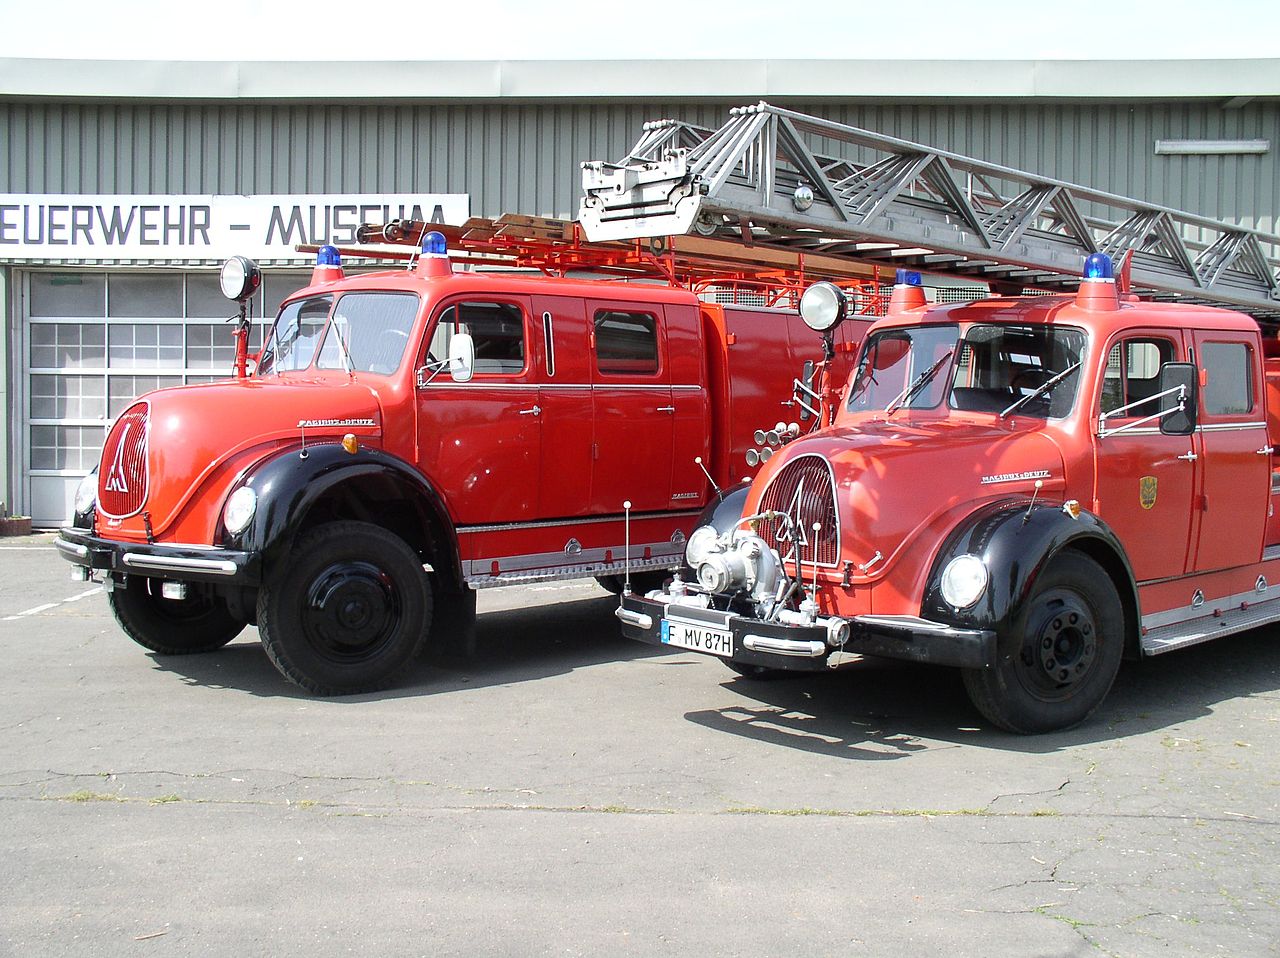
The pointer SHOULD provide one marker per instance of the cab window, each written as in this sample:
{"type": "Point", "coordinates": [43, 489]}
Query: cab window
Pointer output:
{"type": "Point", "coordinates": [496, 330]}
{"type": "Point", "coordinates": [626, 342]}
{"type": "Point", "coordinates": [1133, 373]}
{"type": "Point", "coordinates": [1228, 388]}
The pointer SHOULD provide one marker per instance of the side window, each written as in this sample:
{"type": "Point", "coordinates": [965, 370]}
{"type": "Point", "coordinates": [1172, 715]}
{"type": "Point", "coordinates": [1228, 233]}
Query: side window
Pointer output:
{"type": "Point", "coordinates": [626, 342]}
{"type": "Point", "coordinates": [1228, 389]}
{"type": "Point", "coordinates": [496, 329]}
{"type": "Point", "coordinates": [1133, 372]}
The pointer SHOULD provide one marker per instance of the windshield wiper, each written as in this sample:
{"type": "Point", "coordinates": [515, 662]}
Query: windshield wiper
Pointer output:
{"type": "Point", "coordinates": [1041, 390]}
{"type": "Point", "coordinates": [920, 382]}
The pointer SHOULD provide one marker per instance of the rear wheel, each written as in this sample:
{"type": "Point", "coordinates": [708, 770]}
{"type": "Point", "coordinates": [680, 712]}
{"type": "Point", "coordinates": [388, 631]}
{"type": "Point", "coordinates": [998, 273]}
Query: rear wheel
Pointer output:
{"type": "Point", "coordinates": [1057, 662]}
{"type": "Point", "coordinates": [198, 623]}
{"type": "Point", "coordinates": [349, 610]}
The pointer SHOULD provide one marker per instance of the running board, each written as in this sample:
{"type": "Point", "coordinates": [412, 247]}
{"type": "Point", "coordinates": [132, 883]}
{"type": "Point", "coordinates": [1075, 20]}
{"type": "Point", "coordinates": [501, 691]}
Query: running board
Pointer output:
{"type": "Point", "coordinates": [1180, 635]}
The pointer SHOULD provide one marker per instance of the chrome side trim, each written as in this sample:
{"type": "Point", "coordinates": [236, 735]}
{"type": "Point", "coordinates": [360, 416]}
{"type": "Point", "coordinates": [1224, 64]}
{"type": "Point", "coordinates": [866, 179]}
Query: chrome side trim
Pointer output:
{"type": "Point", "coordinates": [1231, 426]}
{"type": "Point", "coordinates": [496, 384]}
{"type": "Point", "coordinates": [512, 526]}
{"type": "Point", "coordinates": [477, 575]}
{"type": "Point", "coordinates": [638, 619]}
{"type": "Point", "coordinates": [1226, 604]}
{"type": "Point", "coordinates": [804, 649]}
{"type": "Point", "coordinates": [178, 564]}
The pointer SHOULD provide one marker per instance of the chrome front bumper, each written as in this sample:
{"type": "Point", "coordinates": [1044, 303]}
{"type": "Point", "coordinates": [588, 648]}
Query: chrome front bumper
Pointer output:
{"type": "Point", "coordinates": [168, 560]}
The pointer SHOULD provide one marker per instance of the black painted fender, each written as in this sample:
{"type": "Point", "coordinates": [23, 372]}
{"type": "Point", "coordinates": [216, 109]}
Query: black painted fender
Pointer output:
{"type": "Point", "coordinates": [1016, 541]}
{"type": "Point", "coordinates": [290, 484]}
{"type": "Point", "coordinates": [724, 513]}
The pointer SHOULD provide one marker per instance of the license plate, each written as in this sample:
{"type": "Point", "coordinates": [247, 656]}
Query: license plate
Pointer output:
{"type": "Point", "coordinates": [699, 638]}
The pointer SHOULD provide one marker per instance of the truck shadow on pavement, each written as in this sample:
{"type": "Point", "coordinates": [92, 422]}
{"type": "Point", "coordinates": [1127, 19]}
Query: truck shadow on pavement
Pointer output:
{"type": "Point", "coordinates": [513, 645]}
{"type": "Point", "coordinates": [877, 710]}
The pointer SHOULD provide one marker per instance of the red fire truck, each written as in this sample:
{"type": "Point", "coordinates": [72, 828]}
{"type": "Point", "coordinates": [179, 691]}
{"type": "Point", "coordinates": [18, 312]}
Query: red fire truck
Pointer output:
{"type": "Point", "coordinates": [1029, 488]}
{"type": "Point", "coordinates": [411, 435]}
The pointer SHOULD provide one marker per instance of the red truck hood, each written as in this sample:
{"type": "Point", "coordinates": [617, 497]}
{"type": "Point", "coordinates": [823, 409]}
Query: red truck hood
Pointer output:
{"type": "Point", "coordinates": [895, 479]}
{"type": "Point", "coordinates": [200, 437]}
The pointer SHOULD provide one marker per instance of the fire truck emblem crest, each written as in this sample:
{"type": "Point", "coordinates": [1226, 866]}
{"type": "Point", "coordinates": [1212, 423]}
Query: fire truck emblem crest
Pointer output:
{"type": "Point", "coordinates": [116, 481]}
{"type": "Point", "coordinates": [1147, 491]}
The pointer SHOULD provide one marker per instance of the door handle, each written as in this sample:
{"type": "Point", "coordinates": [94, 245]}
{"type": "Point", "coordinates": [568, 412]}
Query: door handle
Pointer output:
{"type": "Point", "coordinates": [1189, 457]}
{"type": "Point", "coordinates": [666, 409]}
{"type": "Point", "coordinates": [1265, 451]}
{"type": "Point", "coordinates": [535, 411]}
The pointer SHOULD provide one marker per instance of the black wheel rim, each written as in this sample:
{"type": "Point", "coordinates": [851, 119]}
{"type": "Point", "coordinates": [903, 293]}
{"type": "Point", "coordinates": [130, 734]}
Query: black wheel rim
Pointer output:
{"type": "Point", "coordinates": [352, 612]}
{"type": "Point", "coordinates": [1060, 646]}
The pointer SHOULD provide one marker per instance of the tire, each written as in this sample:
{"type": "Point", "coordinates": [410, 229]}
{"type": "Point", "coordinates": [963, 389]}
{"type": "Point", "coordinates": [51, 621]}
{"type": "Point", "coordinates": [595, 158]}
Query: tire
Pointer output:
{"type": "Point", "coordinates": [641, 582]}
{"type": "Point", "coordinates": [1057, 662]}
{"type": "Point", "coordinates": [348, 611]}
{"type": "Point", "coordinates": [198, 623]}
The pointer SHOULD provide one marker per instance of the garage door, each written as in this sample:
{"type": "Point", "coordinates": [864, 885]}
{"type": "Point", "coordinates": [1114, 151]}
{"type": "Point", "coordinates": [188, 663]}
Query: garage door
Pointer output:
{"type": "Point", "coordinates": [92, 341]}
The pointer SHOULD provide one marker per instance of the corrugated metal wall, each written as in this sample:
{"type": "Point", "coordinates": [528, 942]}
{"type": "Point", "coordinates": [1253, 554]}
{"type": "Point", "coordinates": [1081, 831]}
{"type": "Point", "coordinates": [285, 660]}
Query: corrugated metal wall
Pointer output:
{"type": "Point", "coordinates": [524, 158]}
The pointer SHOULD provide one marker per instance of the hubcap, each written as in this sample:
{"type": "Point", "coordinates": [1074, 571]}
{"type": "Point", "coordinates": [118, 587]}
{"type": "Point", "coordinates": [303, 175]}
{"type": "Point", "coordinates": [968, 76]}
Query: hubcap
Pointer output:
{"type": "Point", "coordinates": [1061, 645]}
{"type": "Point", "coordinates": [352, 609]}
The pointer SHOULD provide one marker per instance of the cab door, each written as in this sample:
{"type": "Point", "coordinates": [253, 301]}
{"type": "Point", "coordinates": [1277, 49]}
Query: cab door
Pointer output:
{"type": "Point", "coordinates": [479, 442]}
{"type": "Point", "coordinates": [634, 412]}
{"type": "Point", "coordinates": [1234, 455]}
{"type": "Point", "coordinates": [564, 398]}
{"type": "Point", "coordinates": [1145, 480]}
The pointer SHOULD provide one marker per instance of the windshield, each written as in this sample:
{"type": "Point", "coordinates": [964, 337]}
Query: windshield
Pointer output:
{"type": "Point", "coordinates": [1000, 369]}
{"type": "Point", "coordinates": [368, 332]}
{"type": "Point", "coordinates": [1033, 368]}
{"type": "Point", "coordinates": [903, 368]}
{"type": "Point", "coordinates": [293, 339]}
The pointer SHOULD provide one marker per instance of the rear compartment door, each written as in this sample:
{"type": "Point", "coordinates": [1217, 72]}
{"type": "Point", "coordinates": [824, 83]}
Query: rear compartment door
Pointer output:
{"type": "Point", "coordinates": [564, 370]}
{"type": "Point", "coordinates": [633, 408]}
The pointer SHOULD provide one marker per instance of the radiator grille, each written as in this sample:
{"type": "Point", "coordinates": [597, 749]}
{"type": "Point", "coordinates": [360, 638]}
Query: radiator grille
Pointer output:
{"type": "Point", "coordinates": [122, 477]}
{"type": "Point", "coordinates": [804, 490]}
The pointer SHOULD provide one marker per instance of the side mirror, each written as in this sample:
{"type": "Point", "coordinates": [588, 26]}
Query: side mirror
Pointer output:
{"type": "Point", "coordinates": [1178, 411]}
{"type": "Point", "coordinates": [462, 357]}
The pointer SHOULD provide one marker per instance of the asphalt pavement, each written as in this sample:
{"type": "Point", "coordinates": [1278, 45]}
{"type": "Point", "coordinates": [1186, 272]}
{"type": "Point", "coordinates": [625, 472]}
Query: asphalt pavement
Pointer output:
{"type": "Point", "coordinates": [567, 792]}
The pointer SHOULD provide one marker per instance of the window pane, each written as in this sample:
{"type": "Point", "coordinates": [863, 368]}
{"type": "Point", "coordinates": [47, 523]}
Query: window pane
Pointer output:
{"type": "Point", "coordinates": [496, 329]}
{"type": "Point", "coordinates": [205, 299]}
{"type": "Point", "coordinates": [123, 390]}
{"type": "Point", "coordinates": [626, 342]}
{"type": "Point", "coordinates": [293, 339]}
{"type": "Point", "coordinates": [66, 447]}
{"type": "Point", "coordinates": [68, 294]}
{"type": "Point", "coordinates": [67, 397]}
{"type": "Point", "coordinates": [67, 345]}
{"type": "Point", "coordinates": [156, 294]}
{"type": "Point", "coordinates": [211, 347]}
{"type": "Point", "coordinates": [1227, 391]}
{"type": "Point", "coordinates": [144, 345]}
{"type": "Point", "coordinates": [374, 328]}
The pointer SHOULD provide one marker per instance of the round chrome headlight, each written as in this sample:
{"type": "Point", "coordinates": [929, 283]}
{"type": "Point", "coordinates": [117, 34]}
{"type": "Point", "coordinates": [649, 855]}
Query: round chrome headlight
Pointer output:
{"type": "Point", "coordinates": [704, 541]}
{"type": "Point", "coordinates": [823, 306]}
{"type": "Point", "coordinates": [239, 510]}
{"type": "Point", "coordinates": [963, 581]}
{"type": "Point", "coordinates": [86, 494]}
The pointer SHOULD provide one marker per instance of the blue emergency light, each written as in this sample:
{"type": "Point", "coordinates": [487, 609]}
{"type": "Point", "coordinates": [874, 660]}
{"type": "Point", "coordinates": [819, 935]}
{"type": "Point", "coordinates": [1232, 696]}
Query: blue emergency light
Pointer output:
{"type": "Point", "coordinates": [1098, 266]}
{"type": "Point", "coordinates": [328, 256]}
{"type": "Point", "coordinates": [434, 244]}
{"type": "Point", "coordinates": [908, 277]}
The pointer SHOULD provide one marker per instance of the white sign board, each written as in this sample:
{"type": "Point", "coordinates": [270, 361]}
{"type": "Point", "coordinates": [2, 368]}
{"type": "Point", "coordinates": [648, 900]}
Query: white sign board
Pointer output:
{"type": "Point", "coordinates": [109, 226]}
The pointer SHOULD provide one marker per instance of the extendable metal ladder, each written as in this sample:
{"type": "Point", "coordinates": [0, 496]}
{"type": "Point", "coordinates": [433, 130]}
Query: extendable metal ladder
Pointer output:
{"type": "Point", "coordinates": [879, 199]}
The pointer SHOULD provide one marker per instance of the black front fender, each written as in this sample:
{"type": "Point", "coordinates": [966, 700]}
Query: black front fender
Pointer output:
{"type": "Point", "coordinates": [291, 484]}
{"type": "Point", "coordinates": [1016, 541]}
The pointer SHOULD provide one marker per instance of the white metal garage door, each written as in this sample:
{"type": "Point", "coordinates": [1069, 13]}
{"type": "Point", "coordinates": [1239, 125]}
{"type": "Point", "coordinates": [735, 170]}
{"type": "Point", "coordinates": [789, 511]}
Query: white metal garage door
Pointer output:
{"type": "Point", "coordinates": [91, 341]}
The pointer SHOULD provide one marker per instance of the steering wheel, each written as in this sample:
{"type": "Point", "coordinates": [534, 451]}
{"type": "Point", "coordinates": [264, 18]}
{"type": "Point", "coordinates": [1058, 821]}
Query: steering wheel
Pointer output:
{"type": "Point", "coordinates": [1031, 378]}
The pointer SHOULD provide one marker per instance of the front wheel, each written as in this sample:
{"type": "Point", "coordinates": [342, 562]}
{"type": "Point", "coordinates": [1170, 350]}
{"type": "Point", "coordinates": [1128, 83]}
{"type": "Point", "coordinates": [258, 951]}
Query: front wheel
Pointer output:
{"type": "Point", "coordinates": [199, 623]}
{"type": "Point", "coordinates": [1057, 661]}
{"type": "Point", "coordinates": [348, 612]}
